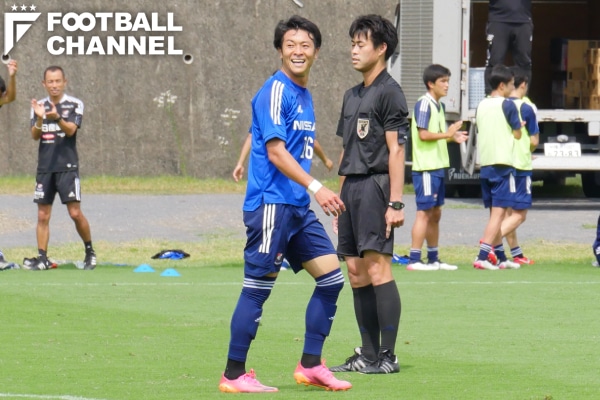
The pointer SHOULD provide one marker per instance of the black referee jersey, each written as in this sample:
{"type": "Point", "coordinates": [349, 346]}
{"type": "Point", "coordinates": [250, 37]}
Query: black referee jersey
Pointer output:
{"type": "Point", "coordinates": [367, 113]}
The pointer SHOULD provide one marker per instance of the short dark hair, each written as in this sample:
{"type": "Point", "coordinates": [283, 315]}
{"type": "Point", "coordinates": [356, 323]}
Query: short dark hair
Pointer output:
{"type": "Point", "coordinates": [434, 72]}
{"type": "Point", "coordinates": [500, 74]}
{"type": "Point", "coordinates": [54, 68]}
{"type": "Point", "coordinates": [381, 30]}
{"type": "Point", "coordinates": [520, 79]}
{"type": "Point", "coordinates": [2, 86]}
{"type": "Point", "coordinates": [296, 22]}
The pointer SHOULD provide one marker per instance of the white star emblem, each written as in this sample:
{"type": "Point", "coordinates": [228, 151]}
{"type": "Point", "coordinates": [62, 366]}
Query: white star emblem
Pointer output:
{"type": "Point", "coordinates": [14, 7]}
{"type": "Point", "coordinates": [23, 7]}
{"type": "Point", "coordinates": [32, 7]}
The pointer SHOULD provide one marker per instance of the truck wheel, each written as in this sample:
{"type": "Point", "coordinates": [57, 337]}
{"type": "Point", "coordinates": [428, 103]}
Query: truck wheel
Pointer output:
{"type": "Point", "coordinates": [555, 180]}
{"type": "Point", "coordinates": [451, 191]}
{"type": "Point", "coordinates": [463, 191]}
{"type": "Point", "coordinates": [590, 182]}
{"type": "Point", "coordinates": [469, 191]}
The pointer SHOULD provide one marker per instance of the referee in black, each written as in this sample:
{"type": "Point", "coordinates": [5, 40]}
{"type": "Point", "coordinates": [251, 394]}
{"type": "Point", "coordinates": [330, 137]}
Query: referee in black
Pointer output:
{"type": "Point", "coordinates": [55, 122]}
{"type": "Point", "coordinates": [374, 127]}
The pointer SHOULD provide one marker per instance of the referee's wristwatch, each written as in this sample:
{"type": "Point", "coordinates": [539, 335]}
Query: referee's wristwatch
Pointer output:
{"type": "Point", "coordinates": [396, 205]}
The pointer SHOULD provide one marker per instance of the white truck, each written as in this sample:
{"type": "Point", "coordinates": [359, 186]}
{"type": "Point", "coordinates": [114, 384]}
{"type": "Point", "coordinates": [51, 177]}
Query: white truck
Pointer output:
{"type": "Point", "coordinates": [452, 33]}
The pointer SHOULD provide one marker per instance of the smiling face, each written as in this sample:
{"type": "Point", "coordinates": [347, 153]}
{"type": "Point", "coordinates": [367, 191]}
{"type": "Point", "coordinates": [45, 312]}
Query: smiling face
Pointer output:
{"type": "Point", "coordinates": [55, 82]}
{"type": "Point", "coordinates": [297, 55]}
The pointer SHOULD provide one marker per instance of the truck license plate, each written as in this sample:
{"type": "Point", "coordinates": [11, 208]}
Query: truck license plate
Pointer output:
{"type": "Point", "coordinates": [569, 149]}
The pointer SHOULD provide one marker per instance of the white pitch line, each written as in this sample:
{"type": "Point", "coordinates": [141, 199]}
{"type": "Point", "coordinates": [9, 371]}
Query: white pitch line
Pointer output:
{"type": "Point", "coordinates": [44, 397]}
{"type": "Point", "coordinates": [239, 283]}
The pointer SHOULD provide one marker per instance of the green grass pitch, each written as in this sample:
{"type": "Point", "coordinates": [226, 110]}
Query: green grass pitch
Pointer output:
{"type": "Point", "coordinates": [113, 334]}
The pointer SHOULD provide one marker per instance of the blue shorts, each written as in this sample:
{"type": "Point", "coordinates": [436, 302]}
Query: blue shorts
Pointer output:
{"type": "Point", "coordinates": [278, 231]}
{"type": "Point", "coordinates": [430, 190]}
{"type": "Point", "coordinates": [523, 190]}
{"type": "Point", "coordinates": [498, 186]}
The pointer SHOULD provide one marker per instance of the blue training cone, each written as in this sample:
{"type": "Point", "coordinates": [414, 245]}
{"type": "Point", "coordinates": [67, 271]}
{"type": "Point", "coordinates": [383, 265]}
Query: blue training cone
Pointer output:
{"type": "Point", "coordinates": [170, 272]}
{"type": "Point", "coordinates": [144, 268]}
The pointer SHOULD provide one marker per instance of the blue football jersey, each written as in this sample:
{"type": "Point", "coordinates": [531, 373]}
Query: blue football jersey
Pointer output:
{"type": "Point", "coordinates": [280, 110]}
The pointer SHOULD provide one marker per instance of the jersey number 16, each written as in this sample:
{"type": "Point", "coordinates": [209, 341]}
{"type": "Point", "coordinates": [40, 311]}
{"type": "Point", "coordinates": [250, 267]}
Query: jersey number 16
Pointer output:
{"type": "Point", "coordinates": [308, 150]}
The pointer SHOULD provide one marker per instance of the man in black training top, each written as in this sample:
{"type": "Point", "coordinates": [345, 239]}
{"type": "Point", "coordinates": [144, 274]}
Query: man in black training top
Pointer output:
{"type": "Point", "coordinates": [55, 122]}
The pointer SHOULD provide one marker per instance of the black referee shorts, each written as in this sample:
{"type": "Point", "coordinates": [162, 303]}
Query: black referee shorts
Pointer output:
{"type": "Point", "coordinates": [362, 226]}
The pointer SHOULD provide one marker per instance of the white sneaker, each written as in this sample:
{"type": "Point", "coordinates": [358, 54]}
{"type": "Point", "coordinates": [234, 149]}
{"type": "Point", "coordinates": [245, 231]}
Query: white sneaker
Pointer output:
{"type": "Point", "coordinates": [509, 265]}
{"type": "Point", "coordinates": [419, 266]}
{"type": "Point", "coordinates": [484, 264]}
{"type": "Point", "coordinates": [443, 266]}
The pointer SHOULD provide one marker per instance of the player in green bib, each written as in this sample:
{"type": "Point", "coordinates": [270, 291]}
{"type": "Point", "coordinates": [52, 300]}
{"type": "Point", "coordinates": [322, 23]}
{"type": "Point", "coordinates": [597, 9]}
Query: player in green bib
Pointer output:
{"type": "Point", "coordinates": [498, 125]}
{"type": "Point", "coordinates": [522, 149]}
{"type": "Point", "coordinates": [430, 135]}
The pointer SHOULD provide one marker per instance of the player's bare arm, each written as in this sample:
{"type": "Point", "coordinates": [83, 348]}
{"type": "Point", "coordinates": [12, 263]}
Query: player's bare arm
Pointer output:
{"type": "Point", "coordinates": [517, 133]}
{"type": "Point", "coordinates": [453, 134]}
{"type": "Point", "coordinates": [11, 90]}
{"type": "Point", "coordinates": [285, 162]}
{"type": "Point", "coordinates": [39, 111]}
{"type": "Point", "coordinates": [456, 135]}
{"type": "Point", "coordinates": [321, 154]}
{"type": "Point", "coordinates": [12, 80]}
{"type": "Point", "coordinates": [238, 170]}
{"type": "Point", "coordinates": [534, 140]}
{"type": "Point", "coordinates": [341, 183]}
{"type": "Point", "coordinates": [395, 218]}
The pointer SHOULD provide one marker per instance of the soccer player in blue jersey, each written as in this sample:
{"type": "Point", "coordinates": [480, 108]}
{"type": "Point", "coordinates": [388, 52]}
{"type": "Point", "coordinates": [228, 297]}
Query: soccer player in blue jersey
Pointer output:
{"type": "Point", "coordinates": [279, 222]}
{"type": "Point", "coordinates": [498, 125]}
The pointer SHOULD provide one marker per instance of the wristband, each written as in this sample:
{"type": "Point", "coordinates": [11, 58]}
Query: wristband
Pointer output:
{"type": "Point", "coordinates": [37, 127]}
{"type": "Point", "coordinates": [314, 186]}
{"type": "Point", "coordinates": [58, 120]}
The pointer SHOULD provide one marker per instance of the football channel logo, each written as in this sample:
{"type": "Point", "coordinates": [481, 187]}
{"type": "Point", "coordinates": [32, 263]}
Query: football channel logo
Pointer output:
{"type": "Point", "coordinates": [96, 33]}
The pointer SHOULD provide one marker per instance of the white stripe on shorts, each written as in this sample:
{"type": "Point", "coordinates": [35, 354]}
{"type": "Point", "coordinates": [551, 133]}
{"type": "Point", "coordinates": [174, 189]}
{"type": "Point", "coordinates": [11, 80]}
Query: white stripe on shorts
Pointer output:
{"type": "Point", "coordinates": [512, 185]}
{"type": "Point", "coordinates": [267, 228]}
{"type": "Point", "coordinates": [426, 183]}
{"type": "Point", "coordinates": [77, 189]}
